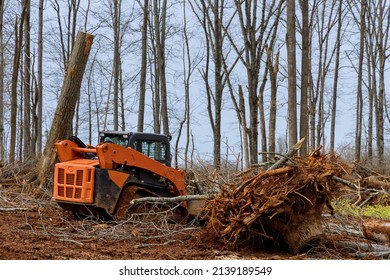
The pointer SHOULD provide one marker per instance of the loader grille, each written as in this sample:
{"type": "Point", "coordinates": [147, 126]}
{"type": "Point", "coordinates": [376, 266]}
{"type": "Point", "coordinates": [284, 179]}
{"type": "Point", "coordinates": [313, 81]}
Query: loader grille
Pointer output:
{"type": "Point", "coordinates": [73, 182]}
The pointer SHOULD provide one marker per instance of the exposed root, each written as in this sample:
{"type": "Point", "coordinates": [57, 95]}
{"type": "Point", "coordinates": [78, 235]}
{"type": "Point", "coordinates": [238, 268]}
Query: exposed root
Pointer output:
{"type": "Point", "coordinates": [282, 207]}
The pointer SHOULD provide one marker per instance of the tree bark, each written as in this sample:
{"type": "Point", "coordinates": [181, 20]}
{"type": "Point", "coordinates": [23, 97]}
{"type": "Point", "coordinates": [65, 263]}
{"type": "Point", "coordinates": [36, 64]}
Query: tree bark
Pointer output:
{"type": "Point", "coordinates": [304, 122]}
{"type": "Point", "coordinates": [142, 86]}
{"type": "Point", "coordinates": [382, 45]}
{"type": "Point", "coordinates": [160, 37]}
{"type": "Point", "coordinates": [273, 72]}
{"type": "Point", "coordinates": [2, 156]}
{"type": "Point", "coordinates": [359, 95]}
{"type": "Point", "coordinates": [244, 126]}
{"type": "Point", "coordinates": [66, 105]}
{"type": "Point", "coordinates": [335, 81]}
{"type": "Point", "coordinates": [116, 61]}
{"type": "Point", "coordinates": [15, 74]}
{"type": "Point", "coordinates": [292, 68]}
{"type": "Point", "coordinates": [27, 145]}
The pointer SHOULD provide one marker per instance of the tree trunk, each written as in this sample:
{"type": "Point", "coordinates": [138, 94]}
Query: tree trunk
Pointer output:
{"type": "Point", "coordinates": [371, 91]}
{"type": "Point", "coordinates": [1, 84]}
{"type": "Point", "coordinates": [335, 81]}
{"type": "Point", "coordinates": [116, 61]}
{"type": "Point", "coordinates": [292, 68]}
{"type": "Point", "coordinates": [188, 70]}
{"type": "Point", "coordinates": [263, 130]}
{"type": "Point", "coordinates": [142, 86]}
{"type": "Point", "coordinates": [304, 122]}
{"type": "Point", "coordinates": [217, 51]}
{"type": "Point", "coordinates": [359, 96]}
{"type": "Point", "coordinates": [27, 149]}
{"type": "Point", "coordinates": [212, 27]}
{"type": "Point", "coordinates": [273, 72]}
{"type": "Point", "coordinates": [160, 37]}
{"type": "Point", "coordinates": [66, 105]}
{"type": "Point", "coordinates": [14, 93]}
{"type": "Point", "coordinates": [382, 44]}
{"type": "Point", "coordinates": [244, 126]}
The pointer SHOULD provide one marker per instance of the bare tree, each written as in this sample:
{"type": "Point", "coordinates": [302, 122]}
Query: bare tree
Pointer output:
{"type": "Point", "coordinates": [190, 64]}
{"type": "Point", "coordinates": [117, 59]}
{"type": "Point", "coordinates": [40, 81]}
{"type": "Point", "coordinates": [326, 19]}
{"type": "Point", "coordinates": [142, 85]}
{"type": "Point", "coordinates": [211, 18]}
{"type": "Point", "coordinates": [258, 35]}
{"type": "Point", "coordinates": [292, 80]}
{"type": "Point", "coordinates": [27, 143]}
{"type": "Point", "coordinates": [305, 77]}
{"type": "Point", "coordinates": [336, 80]}
{"type": "Point", "coordinates": [15, 73]}
{"type": "Point", "coordinates": [273, 64]}
{"type": "Point", "coordinates": [382, 12]}
{"type": "Point", "coordinates": [2, 65]}
{"type": "Point", "coordinates": [160, 17]}
{"type": "Point", "coordinates": [67, 37]}
{"type": "Point", "coordinates": [359, 92]}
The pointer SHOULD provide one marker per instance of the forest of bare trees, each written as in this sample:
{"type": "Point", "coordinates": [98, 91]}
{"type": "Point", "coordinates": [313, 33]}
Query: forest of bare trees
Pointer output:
{"type": "Point", "coordinates": [232, 81]}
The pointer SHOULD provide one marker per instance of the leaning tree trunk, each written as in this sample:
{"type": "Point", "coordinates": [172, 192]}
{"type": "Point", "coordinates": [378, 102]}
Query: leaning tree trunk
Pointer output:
{"type": "Point", "coordinates": [63, 116]}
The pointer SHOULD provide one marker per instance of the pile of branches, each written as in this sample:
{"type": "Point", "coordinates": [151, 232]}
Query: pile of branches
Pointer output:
{"type": "Point", "coordinates": [277, 207]}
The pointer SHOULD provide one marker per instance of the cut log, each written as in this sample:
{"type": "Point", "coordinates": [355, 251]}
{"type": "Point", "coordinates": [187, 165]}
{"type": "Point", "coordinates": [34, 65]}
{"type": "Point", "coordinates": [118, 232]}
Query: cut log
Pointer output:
{"type": "Point", "coordinates": [377, 230]}
{"type": "Point", "coordinates": [362, 246]}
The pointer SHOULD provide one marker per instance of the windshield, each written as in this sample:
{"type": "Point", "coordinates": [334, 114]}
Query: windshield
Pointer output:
{"type": "Point", "coordinates": [116, 139]}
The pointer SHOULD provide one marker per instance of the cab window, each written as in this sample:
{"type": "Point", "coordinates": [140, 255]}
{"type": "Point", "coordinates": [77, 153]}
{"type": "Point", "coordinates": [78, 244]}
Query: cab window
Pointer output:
{"type": "Point", "coordinates": [155, 150]}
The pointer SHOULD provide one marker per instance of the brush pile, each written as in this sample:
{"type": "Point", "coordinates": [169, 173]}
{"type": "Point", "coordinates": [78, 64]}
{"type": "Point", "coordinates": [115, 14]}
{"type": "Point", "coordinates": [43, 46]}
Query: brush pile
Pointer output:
{"type": "Point", "coordinates": [281, 208]}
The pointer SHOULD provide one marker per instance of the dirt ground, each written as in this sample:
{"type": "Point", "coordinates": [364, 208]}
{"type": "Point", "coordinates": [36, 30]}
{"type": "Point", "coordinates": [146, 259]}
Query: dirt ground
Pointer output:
{"type": "Point", "coordinates": [51, 234]}
{"type": "Point", "coordinates": [43, 231]}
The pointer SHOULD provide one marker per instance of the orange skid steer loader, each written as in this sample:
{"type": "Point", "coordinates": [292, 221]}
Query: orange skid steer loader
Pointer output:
{"type": "Point", "coordinates": [103, 180]}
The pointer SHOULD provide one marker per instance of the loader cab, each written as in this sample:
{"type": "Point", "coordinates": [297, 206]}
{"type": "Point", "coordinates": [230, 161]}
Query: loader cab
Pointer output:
{"type": "Point", "coordinates": [155, 146]}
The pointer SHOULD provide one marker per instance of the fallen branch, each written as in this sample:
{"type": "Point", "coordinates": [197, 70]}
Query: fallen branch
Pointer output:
{"type": "Point", "coordinates": [72, 241]}
{"type": "Point", "coordinates": [13, 209]}
{"type": "Point", "coordinates": [345, 182]}
{"type": "Point", "coordinates": [172, 199]}
{"type": "Point", "coordinates": [264, 175]}
{"type": "Point", "coordinates": [156, 244]}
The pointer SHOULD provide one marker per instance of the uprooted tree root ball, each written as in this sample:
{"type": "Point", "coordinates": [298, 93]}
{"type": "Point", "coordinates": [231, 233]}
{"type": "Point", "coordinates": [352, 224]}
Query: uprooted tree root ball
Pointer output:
{"type": "Point", "coordinates": [280, 208]}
